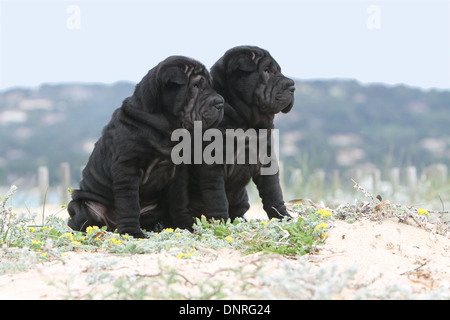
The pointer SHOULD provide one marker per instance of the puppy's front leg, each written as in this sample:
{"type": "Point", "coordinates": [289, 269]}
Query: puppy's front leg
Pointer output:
{"type": "Point", "coordinates": [178, 199]}
{"type": "Point", "coordinates": [271, 195]}
{"type": "Point", "coordinates": [238, 204]}
{"type": "Point", "coordinates": [212, 189]}
{"type": "Point", "coordinates": [126, 181]}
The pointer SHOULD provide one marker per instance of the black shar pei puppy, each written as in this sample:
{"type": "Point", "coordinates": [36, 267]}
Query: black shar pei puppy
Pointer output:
{"type": "Point", "coordinates": [130, 170]}
{"type": "Point", "coordinates": [255, 90]}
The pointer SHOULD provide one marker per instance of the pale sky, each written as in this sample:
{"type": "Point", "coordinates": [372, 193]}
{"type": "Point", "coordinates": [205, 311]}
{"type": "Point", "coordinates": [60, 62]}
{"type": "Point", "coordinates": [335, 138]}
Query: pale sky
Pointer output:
{"type": "Point", "coordinates": [391, 42]}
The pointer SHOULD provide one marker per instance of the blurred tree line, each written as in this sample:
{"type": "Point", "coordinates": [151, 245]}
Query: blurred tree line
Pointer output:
{"type": "Point", "coordinates": [334, 125]}
{"type": "Point", "coordinates": [341, 125]}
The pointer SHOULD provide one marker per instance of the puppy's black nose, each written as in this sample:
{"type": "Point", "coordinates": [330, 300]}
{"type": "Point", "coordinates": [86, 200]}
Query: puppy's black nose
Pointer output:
{"type": "Point", "coordinates": [289, 84]}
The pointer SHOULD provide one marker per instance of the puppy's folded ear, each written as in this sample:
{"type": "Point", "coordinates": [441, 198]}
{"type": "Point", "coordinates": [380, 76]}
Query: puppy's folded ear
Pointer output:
{"type": "Point", "coordinates": [243, 63]}
{"type": "Point", "coordinates": [174, 75]}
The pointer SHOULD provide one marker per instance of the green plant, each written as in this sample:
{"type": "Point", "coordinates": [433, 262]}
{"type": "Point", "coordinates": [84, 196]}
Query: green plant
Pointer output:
{"type": "Point", "coordinates": [23, 245]}
{"type": "Point", "coordinates": [286, 237]}
{"type": "Point", "coordinates": [53, 238]}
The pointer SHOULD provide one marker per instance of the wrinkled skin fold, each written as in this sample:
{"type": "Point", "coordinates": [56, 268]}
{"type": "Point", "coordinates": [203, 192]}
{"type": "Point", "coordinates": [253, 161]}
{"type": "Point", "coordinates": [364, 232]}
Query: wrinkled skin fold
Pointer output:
{"type": "Point", "coordinates": [255, 90]}
{"type": "Point", "coordinates": [130, 171]}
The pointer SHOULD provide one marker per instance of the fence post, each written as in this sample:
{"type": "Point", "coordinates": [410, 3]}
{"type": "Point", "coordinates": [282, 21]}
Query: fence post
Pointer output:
{"type": "Point", "coordinates": [442, 174]}
{"type": "Point", "coordinates": [335, 182]}
{"type": "Point", "coordinates": [318, 182]}
{"type": "Point", "coordinates": [394, 176]}
{"type": "Point", "coordinates": [296, 182]}
{"type": "Point", "coordinates": [411, 180]}
{"type": "Point", "coordinates": [65, 182]}
{"type": "Point", "coordinates": [376, 180]}
{"type": "Point", "coordinates": [43, 184]}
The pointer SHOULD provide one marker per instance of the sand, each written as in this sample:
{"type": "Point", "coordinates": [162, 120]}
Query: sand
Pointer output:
{"type": "Point", "coordinates": [385, 253]}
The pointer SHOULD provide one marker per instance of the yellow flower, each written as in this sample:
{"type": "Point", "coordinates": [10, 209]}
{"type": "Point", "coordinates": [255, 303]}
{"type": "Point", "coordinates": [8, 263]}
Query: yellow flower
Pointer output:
{"type": "Point", "coordinates": [186, 254]}
{"type": "Point", "coordinates": [320, 226]}
{"type": "Point", "coordinates": [115, 241]}
{"type": "Point", "coordinates": [44, 255]}
{"type": "Point", "coordinates": [31, 229]}
{"type": "Point", "coordinates": [263, 222]}
{"type": "Point", "coordinates": [35, 242]}
{"type": "Point", "coordinates": [229, 239]}
{"type": "Point", "coordinates": [422, 212]}
{"type": "Point", "coordinates": [178, 234]}
{"type": "Point", "coordinates": [93, 229]}
{"type": "Point", "coordinates": [67, 235]}
{"type": "Point", "coordinates": [324, 213]}
{"type": "Point", "coordinates": [168, 230]}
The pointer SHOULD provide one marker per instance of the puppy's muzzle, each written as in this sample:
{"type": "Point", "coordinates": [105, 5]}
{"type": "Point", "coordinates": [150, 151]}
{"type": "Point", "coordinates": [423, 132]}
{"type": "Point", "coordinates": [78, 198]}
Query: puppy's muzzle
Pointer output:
{"type": "Point", "coordinates": [218, 103]}
{"type": "Point", "coordinates": [289, 85]}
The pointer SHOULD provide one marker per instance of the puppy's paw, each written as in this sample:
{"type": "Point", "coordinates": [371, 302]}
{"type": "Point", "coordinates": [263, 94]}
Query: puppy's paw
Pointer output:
{"type": "Point", "coordinates": [279, 213]}
{"type": "Point", "coordinates": [137, 233]}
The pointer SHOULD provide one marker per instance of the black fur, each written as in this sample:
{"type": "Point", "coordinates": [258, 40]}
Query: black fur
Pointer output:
{"type": "Point", "coordinates": [255, 90]}
{"type": "Point", "coordinates": [129, 172]}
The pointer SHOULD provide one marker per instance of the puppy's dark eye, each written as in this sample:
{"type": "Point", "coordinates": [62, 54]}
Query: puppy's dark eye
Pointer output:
{"type": "Point", "coordinates": [199, 84]}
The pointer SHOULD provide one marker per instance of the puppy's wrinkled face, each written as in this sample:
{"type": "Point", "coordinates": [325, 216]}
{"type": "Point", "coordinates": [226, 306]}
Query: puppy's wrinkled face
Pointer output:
{"type": "Point", "coordinates": [187, 95]}
{"type": "Point", "coordinates": [256, 78]}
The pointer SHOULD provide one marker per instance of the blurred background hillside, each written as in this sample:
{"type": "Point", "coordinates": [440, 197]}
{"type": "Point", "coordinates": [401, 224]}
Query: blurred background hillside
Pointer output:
{"type": "Point", "coordinates": [388, 129]}
{"type": "Point", "coordinates": [338, 130]}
